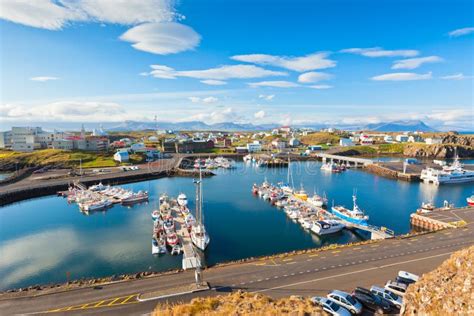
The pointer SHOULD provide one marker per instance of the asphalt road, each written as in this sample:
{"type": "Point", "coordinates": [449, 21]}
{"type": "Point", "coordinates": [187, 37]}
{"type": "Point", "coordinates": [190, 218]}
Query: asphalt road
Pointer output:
{"type": "Point", "coordinates": [304, 274]}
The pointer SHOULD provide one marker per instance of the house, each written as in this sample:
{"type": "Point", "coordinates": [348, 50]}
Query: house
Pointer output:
{"type": "Point", "coordinates": [415, 139]}
{"type": "Point", "coordinates": [285, 129]}
{"type": "Point", "coordinates": [64, 144]}
{"type": "Point", "coordinates": [222, 142]}
{"type": "Point", "coordinates": [254, 147]}
{"type": "Point", "coordinates": [279, 144]}
{"type": "Point", "coordinates": [241, 150]}
{"type": "Point", "coordinates": [138, 147]}
{"type": "Point", "coordinates": [366, 140]}
{"type": "Point", "coordinates": [388, 139]}
{"type": "Point", "coordinates": [401, 138]}
{"type": "Point", "coordinates": [315, 147]}
{"type": "Point", "coordinates": [433, 141]}
{"type": "Point", "coordinates": [294, 142]}
{"type": "Point", "coordinates": [345, 142]}
{"type": "Point", "coordinates": [152, 153]}
{"type": "Point", "coordinates": [121, 156]}
{"type": "Point", "coordinates": [275, 131]}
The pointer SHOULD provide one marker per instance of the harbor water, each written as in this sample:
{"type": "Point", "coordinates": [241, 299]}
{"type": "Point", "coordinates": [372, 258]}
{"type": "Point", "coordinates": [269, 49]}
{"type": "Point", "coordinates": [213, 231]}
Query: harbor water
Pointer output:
{"type": "Point", "coordinates": [42, 240]}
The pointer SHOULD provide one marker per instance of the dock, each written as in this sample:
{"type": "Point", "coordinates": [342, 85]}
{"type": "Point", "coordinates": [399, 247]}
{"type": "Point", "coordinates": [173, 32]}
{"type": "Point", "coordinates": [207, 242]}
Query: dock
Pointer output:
{"type": "Point", "coordinates": [442, 218]}
{"type": "Point", "coordinates": [347, 160]}
{"type": "Point", "coordinates": [191, 259]}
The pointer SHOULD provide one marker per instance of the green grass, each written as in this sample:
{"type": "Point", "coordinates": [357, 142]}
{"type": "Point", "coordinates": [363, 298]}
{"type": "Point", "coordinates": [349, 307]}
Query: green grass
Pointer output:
{"type": "Point", "coordinates": [391, 148]}
{"type": "Point", "coordinates": [320, 138]}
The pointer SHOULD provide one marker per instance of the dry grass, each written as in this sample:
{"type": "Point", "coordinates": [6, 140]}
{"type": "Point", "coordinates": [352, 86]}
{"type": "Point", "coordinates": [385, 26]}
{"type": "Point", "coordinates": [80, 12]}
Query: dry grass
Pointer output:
{"type": "Point", "coordinates": [320, 138]}
{"type": "Point", "coordinates": [240, 303]}
{"type": "Point", "coordinates": [448, 290]}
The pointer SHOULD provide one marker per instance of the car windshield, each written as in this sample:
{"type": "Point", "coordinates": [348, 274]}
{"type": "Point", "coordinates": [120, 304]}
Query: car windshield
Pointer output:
{"type": "Point", "coordinates": [334, 306]}
{"type": "Point", "coordinates": [392, 295]}
{"type": "Point", "coordinates": [351, 300]}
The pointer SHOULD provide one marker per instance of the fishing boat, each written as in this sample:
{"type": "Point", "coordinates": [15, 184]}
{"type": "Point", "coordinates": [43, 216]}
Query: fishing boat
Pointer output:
{"type": "Point", "coordinates": [301, 194]}
{"type": "Point", "coordinates": [326, 227]}
{"type": "Point", "coordinates": [199, 235]}
{"type": "Point", "coordinates": [182, 199]}
{"type": "Point", "coordinates": [140, 196]}
{"type": "Point", "coordinates": [307, 223]}
{"type": "Point", "coordinates": [98, 187]}
{"type": "Point", "coordinates": [164, 198]}
{"type": "Point", "coordinates": [248, 158]}
{"type": "Point", "coordinates": [426, 207]}
{"type": "Point", "coordinates": [176, 250]}
{"type": "Point", "coordinates": [470, 200]}
{"type": "Point", "coordinates": [162, 244]}
{"type": "Point", "coordinates": [450, 174]}
{"type": "Point", "coordinates": [155, 248]}
{"type": "Point", "coordinates": [168, 225]}
{"type": "Point", "coordinates": [172, 239]}
{"type": "Point", "coordinates": [155, 215]}
{"type": "Point", "coordinates": [355, 216]}
{"type": "Point", "coordinates": [255, 189]}
{"type": "Point", "coordinates": [95, 205]}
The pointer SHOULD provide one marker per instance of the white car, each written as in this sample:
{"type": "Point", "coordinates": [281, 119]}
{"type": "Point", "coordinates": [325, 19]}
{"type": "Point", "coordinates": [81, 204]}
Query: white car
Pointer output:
{"type": "Point", "coordinates": [330, 307]}
{"type": "Point", "coordinates": [408, 276]}
{"type": "Point", "coordinates": [345, 300]}
{"type": "Point", "coordinates": [387, 295]}
{"type": "Point", "coordinates": [396, 287]}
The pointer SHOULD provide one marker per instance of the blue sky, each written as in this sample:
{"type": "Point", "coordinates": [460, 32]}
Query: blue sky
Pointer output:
{"type": "Point", "coordinates": [289, 62]}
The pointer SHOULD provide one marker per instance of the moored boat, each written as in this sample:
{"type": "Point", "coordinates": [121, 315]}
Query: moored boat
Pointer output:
{"type": "Point", "coordinates": [355, 216]}
{"type": "Point", "coordinates": [326, 227]}
{"type": "Point", "coordinates": [182, 199]}
{"type": "Point", "coordinates": [470, 200]}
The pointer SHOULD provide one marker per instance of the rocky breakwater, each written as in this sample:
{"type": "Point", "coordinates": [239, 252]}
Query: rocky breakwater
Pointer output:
{"type": "Point", "coordinates": [437, 151]}
{"type": "Point", "coordinates": [448, 290]}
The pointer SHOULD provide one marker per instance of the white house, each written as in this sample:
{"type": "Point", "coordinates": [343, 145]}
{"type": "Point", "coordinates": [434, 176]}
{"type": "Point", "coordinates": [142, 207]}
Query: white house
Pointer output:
{"type": "Point", "coordinates": [138, 147]}
{"type": "Point", "coordinates": [433, 141]}
{"type": "Point", "coordinates": [121, 156]}
{"type": "Point", "coordinates": [401, 138]}
{"type": "Point", "coordinates": [294, 142]}
{"type": "Point", "coordinates": [388, 139]}
{"type": "Point", "coordinates": [254, 147]}
{"type": "Point", "coordinates": [345, 142]}
{"type": "Point", "coordinates": [279, 144]}
{"type": "Point", "coordinates": [415, 139]}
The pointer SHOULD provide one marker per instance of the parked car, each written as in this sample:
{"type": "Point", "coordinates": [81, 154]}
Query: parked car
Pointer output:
{"type": "Point", "coordinates": [371, 301]}
{"type": "Point", "coordinates": [396, 287]}
{"type": "Point", "coordinates": [410, 277]}
{"type": "Point", "coordinates": [387, 295]}
{"type": "Point", "coordinates": [330, 307]}
{"type": "Point", "coordinates": [345, 300]}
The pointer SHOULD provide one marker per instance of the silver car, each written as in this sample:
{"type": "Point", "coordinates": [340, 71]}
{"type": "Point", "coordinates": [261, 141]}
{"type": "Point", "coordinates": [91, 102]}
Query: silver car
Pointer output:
{"type": "Point", "coordinates": [345, 300]}
{"type": "Point", "coordinates": [387, 295]}
{"type": "Point", "coordinates": [330, 307]}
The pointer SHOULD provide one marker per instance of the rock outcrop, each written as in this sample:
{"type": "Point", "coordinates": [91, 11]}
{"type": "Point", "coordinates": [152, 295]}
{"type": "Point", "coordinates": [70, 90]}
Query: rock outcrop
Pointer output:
{"type": "Point", "coordinates": [463, 140]}
{"type": "Point", "coordinates": [240, 303]}
{"type": "Point", "coordinates": [448, 290]}
{"type": "Point", "coordinates": [437, 151]}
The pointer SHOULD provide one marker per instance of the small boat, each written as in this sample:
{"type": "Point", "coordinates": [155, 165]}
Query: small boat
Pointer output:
{"type": "Point", "coordinates": [164, 198]}
{"type": "Point", "coordinates": [356, 215]}
{"type": "Point", "coordinates": [176, 250]}
{"type": "Point", "coordinates": [162, 244]}
{"type": "Point", "coordinates": [329, 166]}
{"type": "Point", "coordinates": [199, 236]}
{"type": "Point", "coordinates": [95, 205]}
{"type": "Point", "coordinates": [172, 239]}
{"type": "Point", "coordinates": [426, 207]}
{"type": "Point", "coordinates": [168, 225]}
{"type": "Point", "coordinates": [155, 248]}
{"type": "Point", "coordinates": [317, 200]}
{"type": "Point", "coordinates": [140, 196]}
{"type": "Point", "coordinates": [155, 215]}
{"type": "Point", "coordinates": [255, 189]}
{"type": "Point", "coordinates": [98, 187]}
{"type": "Point", "coordinates": [301, 194]}
{"type": "Point", "coordinates": [182, 199]}
{"type": "Point", "coordinates": [189, 221]}
{"type": "Point", "coordinates": [326, 227]}
{"type": "Point", "coordinates": [470, 200]}
{"type": "Point", "coordinates": [185, 211]}
{"type": "Point", "coordinates": [247, 158]}
{"type": "Point", "coordinates": [307, 223]}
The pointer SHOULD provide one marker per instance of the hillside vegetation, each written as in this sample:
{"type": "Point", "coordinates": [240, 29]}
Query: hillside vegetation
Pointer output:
{"type": "Point", "coordinates": [9, 160]}
{"type": "Point", "coordinates": [320, 138]}
{"type": "Point", "coordinates": [448, 290]}
{"type": "Point", "coordinates": [241, 303]}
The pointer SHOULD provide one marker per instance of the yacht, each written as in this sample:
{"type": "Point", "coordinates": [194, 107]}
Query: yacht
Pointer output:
{"type": "Point", "coordinates": [307, 223]}
{"type": "Point", "coordinates": [355, 216]}
{"type": "Point", "coordinates": [248, 158]}
{"type": "Point", "coordinates": [140, 196]}
{"type": "Point", "coordinates": [164, 198]}
{"type": "Point", "coordinates": [176, 250]}
{"type": "Point", "coordinates": [199, 235]}
{"type": "Point", "coordinates": [326, 227]}
{"type": "Point", "coordinates": [95, 205]}
{"type": "Point", "coordinates": [454, 173]}
{"type": "Point", "coordinates": [182, 199]}
{"type": "Point", "coordinates": [318, 201]}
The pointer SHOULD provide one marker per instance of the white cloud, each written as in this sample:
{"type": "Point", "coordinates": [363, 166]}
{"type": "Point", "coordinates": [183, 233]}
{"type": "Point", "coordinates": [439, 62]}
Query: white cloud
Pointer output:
{"type": "Point", "coordinates": [413, 63]}
{"type": "Point", "coordinates": [458, 76]}
{"type": "Point", "coordinates": [43, 78]}
{"type": "Point", "coordinates": [304, 63]}
{"type": "Point", "coordinates": [162, 38]}
{"type": "Point", "coordinates": [266, 97]}
{"type": "Point", "coordinates": [214, 82]}
{"type": "Point", "coordinates": [276, 84]}
{"type": "Point", "coordinates": [321, 86]}
{"type": "Point", "coordinates": [54, 15]}
{"type": "Point", "coordinates": [312, 76]}
{"type": "Point", "coordinates": [461, 32]}
{"type": "Point", "coordinates": [217, 116]}
{"type": "Point", "coordinates": [207, 100]}
{"type": "Point", "coordinates": [219, 73]}
{"type": "Point", "coordinates": [259, 114]}
{"type": "Point", "coordinates": [402, 76]}
{"type": "Point", "coordinates": [380, 52]}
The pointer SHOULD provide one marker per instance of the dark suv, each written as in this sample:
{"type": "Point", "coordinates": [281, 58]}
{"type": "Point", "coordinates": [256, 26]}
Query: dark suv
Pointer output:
{"type": "Point", "coordinates": [372, 302]}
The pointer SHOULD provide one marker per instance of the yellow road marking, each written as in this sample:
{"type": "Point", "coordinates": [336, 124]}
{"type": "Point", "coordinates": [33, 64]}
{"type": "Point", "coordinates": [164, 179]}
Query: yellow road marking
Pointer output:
{"type": "Point", "coordinates": [315, 255]}
{"type": "Point", "coordinates": [98, 304]}
{"type": "Point", "coordinates": [336, 251]}
{"type": "Point", "coordinates": [373, 246]}
{"type": "Point", "coordinates": [273, 261]}
{"type": "Point", "coordinates": [288, 259]}
{"type": "Point", "coordinates": [357, 248]}
{"type": "Point", "coordinates": [84, 306]}
{"type": "Point", "coordinates": [128, 298]}
{"type": "Point", "coordinates": [115, 300]}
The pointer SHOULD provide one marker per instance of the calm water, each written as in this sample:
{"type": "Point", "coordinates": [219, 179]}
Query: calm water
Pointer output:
{"type": "Point", "coordinates": [43, 239]}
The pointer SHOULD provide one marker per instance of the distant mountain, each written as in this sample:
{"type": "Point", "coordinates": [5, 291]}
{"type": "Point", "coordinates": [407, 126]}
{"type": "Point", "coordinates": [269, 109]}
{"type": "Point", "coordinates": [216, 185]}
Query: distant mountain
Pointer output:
{"type": "Point", "coordinates": [188, 126]}
{"type": "Point", "coordinates": [400, 126]}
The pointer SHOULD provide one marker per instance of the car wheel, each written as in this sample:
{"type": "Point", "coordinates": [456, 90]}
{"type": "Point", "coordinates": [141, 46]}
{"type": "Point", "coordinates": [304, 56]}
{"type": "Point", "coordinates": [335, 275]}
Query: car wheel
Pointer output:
{"type": "Point", "coordinates": [353, 311]}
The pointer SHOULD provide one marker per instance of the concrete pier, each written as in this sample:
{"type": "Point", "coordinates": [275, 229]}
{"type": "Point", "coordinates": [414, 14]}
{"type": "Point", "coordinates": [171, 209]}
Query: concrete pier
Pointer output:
{"type": "Point", "coordinates": [442, 218]}
{"type": "Point", "coordinates": [191, 259]}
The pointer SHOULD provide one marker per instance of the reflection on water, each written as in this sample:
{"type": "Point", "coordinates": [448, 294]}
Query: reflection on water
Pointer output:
{"type": "Point", "coordinates": [43, 239]}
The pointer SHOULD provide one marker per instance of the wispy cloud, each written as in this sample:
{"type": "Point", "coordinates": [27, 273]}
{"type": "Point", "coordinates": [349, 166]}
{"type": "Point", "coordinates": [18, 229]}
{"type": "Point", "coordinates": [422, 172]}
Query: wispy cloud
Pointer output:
{"type": "Point", "coordinates": [380, 52]}
{"type": "Point", "coordinates": [207, 100]}
{"type": "Point", "coordinates": [275, 84]}
{"type": "Point", "coordinates": [413, 63]}
{"type": "Point", "coordinates": [461, 32]}
{"type": "Point", "coordinates": [43, 78]}
{"type": "Point", "coordinates": [162, 38]}
{"type": "Point", "coordinates": [266, 97]}
{"type": "Point", "coordinates": [402, 76]}
{"type": "Point", "coordinates": [458, 76]}
{"type": "Point", "coordinates": [259, 114]}
{"type": "Point", "coordinates": [321, 86]}
{"type": "Point", "coordinates": [303, 63]}
{"type": "Point", "coordinates": [312, 77]}
{"type": "Point", "coordinates": [219, 73]}
{"type": "Point", "coordinates": [212, 82]}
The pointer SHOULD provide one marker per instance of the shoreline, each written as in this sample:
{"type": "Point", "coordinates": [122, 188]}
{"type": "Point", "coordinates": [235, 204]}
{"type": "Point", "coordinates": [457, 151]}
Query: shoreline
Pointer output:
{"type": "Point", "coordinates": [76, 284]}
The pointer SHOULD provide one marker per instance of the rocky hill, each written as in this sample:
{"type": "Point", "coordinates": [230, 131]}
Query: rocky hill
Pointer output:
{"type": "Point", "coordinates": [437, 150]}
{"type": "Point", "coordinates": [448, 290]}
{"type": "Point", "coordinates": [241, 303]}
